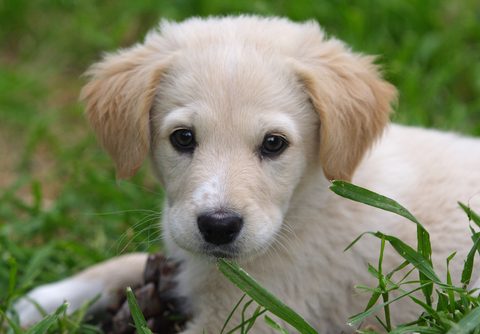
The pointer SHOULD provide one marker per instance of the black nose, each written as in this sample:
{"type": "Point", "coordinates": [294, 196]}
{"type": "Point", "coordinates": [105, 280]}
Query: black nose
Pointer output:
{"type": "Point", "coordinates": [220, 227]}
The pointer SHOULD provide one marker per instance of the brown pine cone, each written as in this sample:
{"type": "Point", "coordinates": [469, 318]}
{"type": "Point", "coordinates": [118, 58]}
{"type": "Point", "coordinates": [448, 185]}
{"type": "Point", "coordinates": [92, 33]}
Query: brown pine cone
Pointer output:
{"type": "Point", "coordinates": [162, 311]}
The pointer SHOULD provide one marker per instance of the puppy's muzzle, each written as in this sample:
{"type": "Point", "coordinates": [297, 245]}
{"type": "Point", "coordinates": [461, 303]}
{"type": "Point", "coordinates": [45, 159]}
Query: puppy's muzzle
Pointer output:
{"type": "Point", "coordinates": [220, 227]}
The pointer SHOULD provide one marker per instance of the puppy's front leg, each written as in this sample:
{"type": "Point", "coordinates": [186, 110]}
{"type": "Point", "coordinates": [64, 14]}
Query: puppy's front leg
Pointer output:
{"type": "Point", "coordinates": [104, 279]}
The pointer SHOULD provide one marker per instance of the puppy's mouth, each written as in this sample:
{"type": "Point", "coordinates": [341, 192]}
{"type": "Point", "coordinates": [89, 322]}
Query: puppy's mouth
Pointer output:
{"type": "Point", "coordinates": [224, 251]}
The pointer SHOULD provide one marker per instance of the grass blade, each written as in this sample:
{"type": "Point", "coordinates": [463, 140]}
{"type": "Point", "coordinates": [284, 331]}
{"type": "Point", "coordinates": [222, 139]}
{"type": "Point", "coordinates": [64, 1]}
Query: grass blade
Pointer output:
{"type": "Point", "coordinates": [363, 315]}
{"type": "Point", "coordinates": [450, 293]}
{"type": "Point", "coordinates": [12, 275]}
{"type": "Point", "coordinates": [252, 318]}
{"type": "Point", "coordinates": [137, 315]}
{"type": "Point", "coordinates": [263, 297]}
{"type": "Point", "coordinates": [412, 256]}
{"type": "Point", "coordinates": [273, 324]}
{"type": "Point", "coordinates": [428, 308]}
{"type": "Point", "coordinates": [373, 299]}
{"type": "Point", "coordinates": [76, 318]}
{"type": "Point", "coordinates": [231, 314]}
{"type": "Point", "coordinates": [365, 196]}
{"type": "Point", "coordinates": [256, 314]}
{"type": "Point", "coordinates": [425, 249]}
{"type": "Point", "coordinates": [48, 321]}
{"type": "Point", "coordinates": [468, 266]}
{"type": "Point", "coordinates": [244, 311]}
{"type": "Point", "coordinates": [354, 241]}
{"type": "Point", "coordinates": [14, 326]}
{"type": "Point", "coordinates": [472, 216]}
{"type": "Point", "coordinates": [416, 329]}
{"type": "Point", "coordinates": [468, 323]}
{"type": "Point", "coordinates": [35, 265]}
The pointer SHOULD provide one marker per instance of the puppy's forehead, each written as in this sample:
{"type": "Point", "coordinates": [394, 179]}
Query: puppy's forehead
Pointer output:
{"type": "Point", "coordinates": [231, 77]}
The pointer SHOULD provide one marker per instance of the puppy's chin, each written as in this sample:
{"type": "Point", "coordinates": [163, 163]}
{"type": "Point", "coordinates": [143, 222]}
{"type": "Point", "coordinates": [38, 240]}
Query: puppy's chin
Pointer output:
{"type": "Point", "coordinates": [232, 252]}
{"type": "Point", "coordinates": [213, 252]}
{"type": "Point", "coordinates": [227, 252]}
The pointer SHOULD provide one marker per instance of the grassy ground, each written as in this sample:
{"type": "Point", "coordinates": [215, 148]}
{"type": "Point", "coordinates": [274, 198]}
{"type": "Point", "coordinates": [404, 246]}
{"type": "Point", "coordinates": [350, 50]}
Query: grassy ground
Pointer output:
{"type": "Point", "coordinates": [60, 206]}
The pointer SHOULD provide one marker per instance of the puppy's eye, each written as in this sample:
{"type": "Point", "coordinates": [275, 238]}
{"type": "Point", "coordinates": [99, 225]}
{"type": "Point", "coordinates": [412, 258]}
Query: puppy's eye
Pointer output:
{"type": "Point", "coordinates": [273, 145]}
{"type": "Point", "coordinates": [183, 140]}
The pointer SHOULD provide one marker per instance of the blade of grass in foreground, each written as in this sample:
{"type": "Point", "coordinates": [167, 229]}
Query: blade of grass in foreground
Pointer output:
{"type": "Point", "coordinates": [468, 266]}
{"type": "Point", "coordinates": [365, 196]}
{"type": "Point", "coordinates": [416, 329]}
{"type": "Point", "coordinates": [270, 322]}
{"type": "Point", "coordinates": [14, 326]}
{"type": "Point", "coordinates": [408, 253]}
{"type": "Point", "coordinates": [357, 318]}
{"type": "Point", "coordinates": [48, 321]}
{"type": "Point", "coordinates": [263, 297]}
{"type": "Point", "coordinates": [138, 318]}
{"type": "Point", "coordinates": [231, 314]}
{"type": "Point", "coordinates": [472, 215]}
{"type": "Point", "coordinates": [468, 323]}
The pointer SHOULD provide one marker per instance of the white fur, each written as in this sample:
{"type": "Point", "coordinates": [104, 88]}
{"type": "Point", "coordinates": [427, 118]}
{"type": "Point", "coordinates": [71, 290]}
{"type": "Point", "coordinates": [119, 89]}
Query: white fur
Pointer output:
{"type": "Point", "coordinates": [233, 81]}
{"type": "Point", "coordinates": [73, 290]}
{"type": "Point", "coordinates": [101, 281]}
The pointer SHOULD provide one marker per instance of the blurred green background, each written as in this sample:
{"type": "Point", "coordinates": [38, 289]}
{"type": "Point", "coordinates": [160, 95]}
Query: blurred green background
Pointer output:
{"type": "Point", "coordinates": [60, 206]}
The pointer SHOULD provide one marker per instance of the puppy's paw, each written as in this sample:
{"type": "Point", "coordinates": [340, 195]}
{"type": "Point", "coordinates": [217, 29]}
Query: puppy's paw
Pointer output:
{"type": "Point", "coordinates": [104, 279]}
{"type": "Point", "coordinates": [49, 297]}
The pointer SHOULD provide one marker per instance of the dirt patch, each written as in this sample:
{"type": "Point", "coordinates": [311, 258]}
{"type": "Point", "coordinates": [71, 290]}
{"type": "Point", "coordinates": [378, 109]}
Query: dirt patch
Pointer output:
{"type": "Point", "coordinates": [40, 166]}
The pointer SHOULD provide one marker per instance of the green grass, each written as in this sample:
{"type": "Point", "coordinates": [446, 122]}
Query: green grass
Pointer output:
{"type": "Point", "coordinates": [60, 206]}
{"type": "Point", "coordinates": [453, 310]}
{"type": "Point", "coordinates": [456, 309]}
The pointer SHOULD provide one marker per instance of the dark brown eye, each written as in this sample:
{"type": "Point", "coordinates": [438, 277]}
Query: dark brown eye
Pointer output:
{"type": "Point", "coordinates": [183, 140]}
{"type": "Point", "coordinates": [273, 145]}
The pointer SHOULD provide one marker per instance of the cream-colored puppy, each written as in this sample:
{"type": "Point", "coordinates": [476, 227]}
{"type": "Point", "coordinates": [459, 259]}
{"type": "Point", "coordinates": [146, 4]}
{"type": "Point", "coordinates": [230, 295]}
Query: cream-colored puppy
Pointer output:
{"type": "Point", "coordinates": [246, 119]}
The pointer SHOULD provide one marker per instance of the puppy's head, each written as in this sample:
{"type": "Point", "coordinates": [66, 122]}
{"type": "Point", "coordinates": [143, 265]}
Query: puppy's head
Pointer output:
{"type": "Point", "coordinates": [235, 112]}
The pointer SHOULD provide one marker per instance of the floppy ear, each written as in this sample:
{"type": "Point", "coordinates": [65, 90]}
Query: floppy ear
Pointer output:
{"type": "Point", "coordinates": [119, 97]}
{"type": "Point", "coordinates": [352, 101]}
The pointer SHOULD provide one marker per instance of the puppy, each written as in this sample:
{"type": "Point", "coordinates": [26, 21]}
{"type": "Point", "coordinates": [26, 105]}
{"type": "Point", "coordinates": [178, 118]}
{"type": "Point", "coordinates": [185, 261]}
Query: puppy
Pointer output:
{"type": "Point", "coordinates": [246, 121]}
